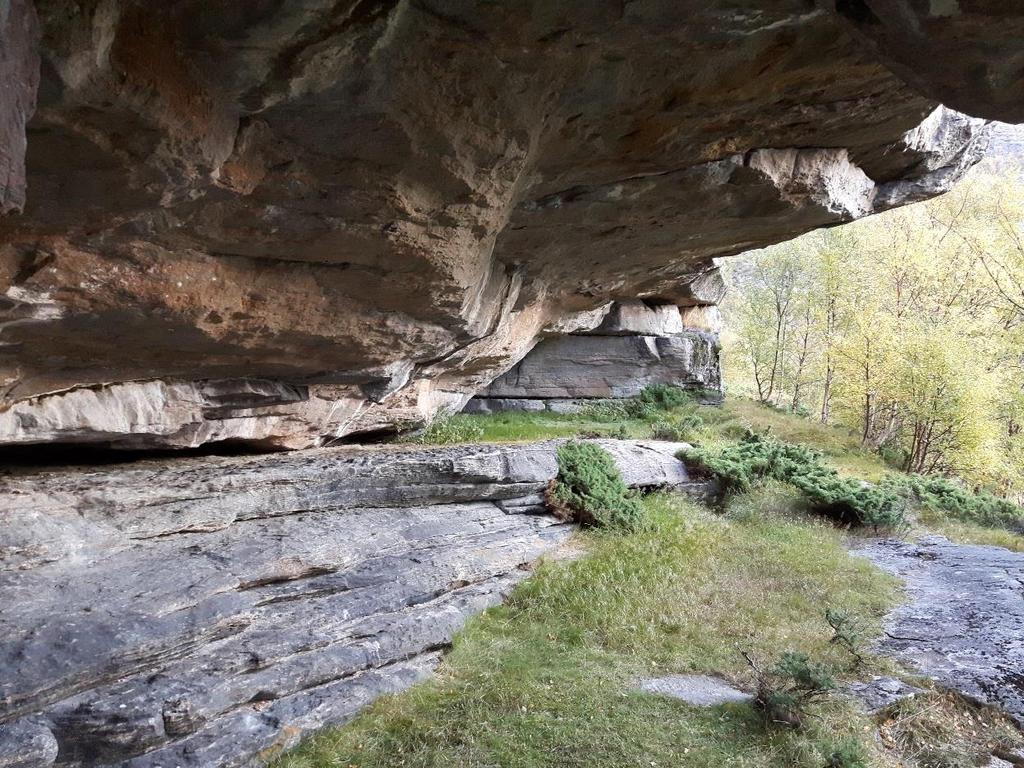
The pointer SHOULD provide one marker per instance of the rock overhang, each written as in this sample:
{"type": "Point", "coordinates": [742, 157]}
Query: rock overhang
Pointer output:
{"type": "Point", "coordinates": [382, 206]}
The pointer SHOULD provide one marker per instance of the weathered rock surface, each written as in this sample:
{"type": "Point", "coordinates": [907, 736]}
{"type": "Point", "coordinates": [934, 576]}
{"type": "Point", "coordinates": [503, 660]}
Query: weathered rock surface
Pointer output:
{"type": "Point", "coordinates": [378, 207]}
{"type": "Point", "coordinates": [698, 690]}
{"type": "Point", "coordinates": [610, 366]}
{"type": "Point", "coordinates": [635, 345]}
{"type": "Point", "coordinates": [964, 623]}
{"type": "Point", "coordinates": [880, 692]}
{"type": "Point", "coordinates": [964, 53]}
{"type": "Point", "coordinates": [637, 318]}
{"type": "Point", "coordinates": [202, 611]}
{"type": "Point", "coordinates": [25, 744]}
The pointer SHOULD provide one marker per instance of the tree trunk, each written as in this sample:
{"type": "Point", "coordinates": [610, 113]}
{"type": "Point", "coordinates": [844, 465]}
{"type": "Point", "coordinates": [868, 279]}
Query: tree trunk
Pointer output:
{"type": "Point", "coordinates": [868, 412]}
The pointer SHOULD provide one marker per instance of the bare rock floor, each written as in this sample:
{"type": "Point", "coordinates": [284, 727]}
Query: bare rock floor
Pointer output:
{"type": "Point", "coordinates": [964, 622]}
{"type": "Point", "coordinates": [209, 611]}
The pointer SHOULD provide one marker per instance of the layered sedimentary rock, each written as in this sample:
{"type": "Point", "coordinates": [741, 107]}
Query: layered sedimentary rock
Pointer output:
{"type": "Point", "coordinates": [287, 222]}
{"type": "Point", "coordinates": [206, 611]}
{"type": "Point", "coordinates": [636, 344]}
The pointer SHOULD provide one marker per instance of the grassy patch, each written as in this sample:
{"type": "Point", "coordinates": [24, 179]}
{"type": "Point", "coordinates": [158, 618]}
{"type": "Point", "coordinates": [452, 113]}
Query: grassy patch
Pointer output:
{"type": "Point", "coordinates": [545, 680]}
{"type": "Point", "coordinates": [970, 533]}
{"type": "Point", "coordinates": [952, 501]}
{"type": "Point", "coordinates": [449, 430]}
{"type": "Point", "coordinates": [523, 426]}
{"type": "Point", "coordinates": [674, 416]}
{"type": "Point", "coordinates": [670, 410]}
{"type": "Point", "coordinates": [839, 445]}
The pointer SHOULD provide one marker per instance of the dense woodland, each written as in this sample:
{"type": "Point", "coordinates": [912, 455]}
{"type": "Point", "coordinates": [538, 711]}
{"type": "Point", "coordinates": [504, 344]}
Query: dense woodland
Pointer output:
{"type": "Point", "coordinates": [907, 327]}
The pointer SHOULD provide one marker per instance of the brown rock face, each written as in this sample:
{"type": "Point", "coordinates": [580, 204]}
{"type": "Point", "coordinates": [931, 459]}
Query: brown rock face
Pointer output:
{"type": "Point", "coordinates": [19, 78]}
{"type": "Point", "coordinates": [968, 54]}
{"type": "Point", "coordinates": [287, 222]}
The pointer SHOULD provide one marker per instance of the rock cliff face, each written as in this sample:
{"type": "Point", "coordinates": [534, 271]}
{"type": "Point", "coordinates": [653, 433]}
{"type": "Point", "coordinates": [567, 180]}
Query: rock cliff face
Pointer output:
{"type": "Point", "coordinates": [635, 345]}
{"type": "Point", "coordinates": [287, 222]}
{"type": "Point", "coordinates": [205, 612]}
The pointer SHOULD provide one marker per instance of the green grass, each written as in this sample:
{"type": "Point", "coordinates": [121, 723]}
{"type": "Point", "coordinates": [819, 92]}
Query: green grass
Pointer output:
{"type": "Point", "coordinates": [721, 424]}
{"type": "Point", "coordinates": [969, 533]}
{"type": "Point", "coordinates": [518, 426]}
{"type": "Point", "coordinates": [839, 445]}
{"type": "Point", "coordinates": [545, 680]}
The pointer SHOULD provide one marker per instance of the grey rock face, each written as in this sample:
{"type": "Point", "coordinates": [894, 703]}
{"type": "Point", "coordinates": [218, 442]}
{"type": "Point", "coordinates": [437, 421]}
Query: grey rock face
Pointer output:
{"type": "Point", "coordinates": [698, 690]}
{"type": "Point", "coordinates": [380, 207]}
{"type": "Point", "coordinates": [575, 367]}
{"type": "Point", "coordinates": [964, 623]}
{"type": "Point", "coordinates": [25, 744]}
{"type": "Point", "coordinates": [636, 344]}
{"type": "Point", "coordinates": [19, 80]}
{"type": "Point", "coordinates": [207, 611]}
{"type": "Point", "coordinates": [959, 53]}
{"type": "Point", "coordinates": [881, 692]}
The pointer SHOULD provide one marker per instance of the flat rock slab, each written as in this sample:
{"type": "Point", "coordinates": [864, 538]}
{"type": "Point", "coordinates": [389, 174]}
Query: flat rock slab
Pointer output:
{"type": "Point", "coordinates": [698, 690]}
{"type": "Point", "coordinates": [964, 623]}
{"type": "Point", "coordinates": [209, 611]}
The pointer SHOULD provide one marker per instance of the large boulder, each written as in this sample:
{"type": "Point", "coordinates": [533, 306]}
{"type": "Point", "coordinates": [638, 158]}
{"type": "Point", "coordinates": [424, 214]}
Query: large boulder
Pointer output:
{"type": "Point", "coordinates": [378, 207]}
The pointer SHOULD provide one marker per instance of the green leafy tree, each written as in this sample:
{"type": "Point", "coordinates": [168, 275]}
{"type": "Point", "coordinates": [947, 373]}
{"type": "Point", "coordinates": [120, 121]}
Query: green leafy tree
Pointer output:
{"type": "Point", "coordinates": [906, 327]}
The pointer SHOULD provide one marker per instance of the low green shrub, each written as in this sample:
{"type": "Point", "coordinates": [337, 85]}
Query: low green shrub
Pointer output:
{"type": "Point", "coordinates": [653, 401]}
{"type": "Point", "coordinates": [848, 754]}
{"type": "Point", "coordinates": [677, 430]}
{"type": "Point", "coordinates": [666, 430]}
{"type": "Point", "coordinates": [606, 410]}
{"type": "Point", "coordinates": [785, 691]}
{"type": "Point", "coordinates": [951, 499]}
{"type": "Point", "coordinates": [664, 397]}
{"type": "Point", "coordinates": [848, 632]}
{"type": "Point", "coordinates": [589, 490]}
{"type": "Point", "coordinates": [619, 433]}
{"type": "Point", "coordinates": [760, 457]}
{"type": "Point", "coordinates": [644, 410]}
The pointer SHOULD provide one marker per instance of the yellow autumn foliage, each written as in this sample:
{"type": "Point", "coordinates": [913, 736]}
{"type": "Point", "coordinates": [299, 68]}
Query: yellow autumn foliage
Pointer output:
{"type": "Point", "coordinates": [907, 327]}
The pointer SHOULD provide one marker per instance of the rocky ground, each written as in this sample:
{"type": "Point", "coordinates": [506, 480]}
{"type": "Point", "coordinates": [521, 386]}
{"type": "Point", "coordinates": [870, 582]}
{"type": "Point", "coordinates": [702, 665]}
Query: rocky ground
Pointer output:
{"type": "Point", "coordinates": [963, 624]}
{"type": "Point", "coordinates": [211, 610]}
{"type": "Point", "coordinates": [200, 612]}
